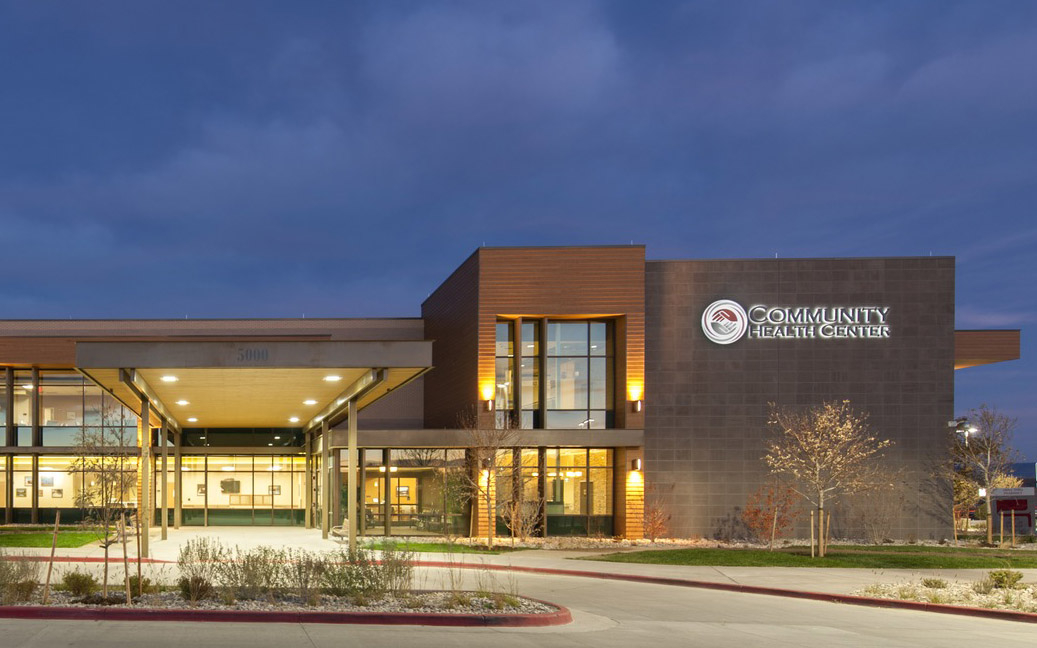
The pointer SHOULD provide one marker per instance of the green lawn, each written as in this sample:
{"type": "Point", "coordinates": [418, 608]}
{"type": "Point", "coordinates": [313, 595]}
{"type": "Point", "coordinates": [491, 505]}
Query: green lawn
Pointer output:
{"type": "Point", "coordinates": [66, 539]}
{"type": "Point", "coordinates": [442, 547]}
{"type": "Point", "coordinates": [887, 557]}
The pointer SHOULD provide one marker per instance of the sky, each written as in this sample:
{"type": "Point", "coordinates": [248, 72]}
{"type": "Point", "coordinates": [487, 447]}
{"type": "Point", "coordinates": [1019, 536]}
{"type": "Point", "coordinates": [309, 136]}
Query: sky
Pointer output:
{"type": "Point", "coordinates": [276, 159]}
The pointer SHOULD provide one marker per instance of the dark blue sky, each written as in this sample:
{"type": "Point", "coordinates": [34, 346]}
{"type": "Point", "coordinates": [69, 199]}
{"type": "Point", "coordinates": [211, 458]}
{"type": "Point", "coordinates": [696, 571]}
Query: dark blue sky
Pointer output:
{"type": "Point", "coordinates": [274, 159]}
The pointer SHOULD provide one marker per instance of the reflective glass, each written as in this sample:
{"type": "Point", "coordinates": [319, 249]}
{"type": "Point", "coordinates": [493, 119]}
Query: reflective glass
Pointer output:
{"type": "Point", "coordinates": [567, 338]}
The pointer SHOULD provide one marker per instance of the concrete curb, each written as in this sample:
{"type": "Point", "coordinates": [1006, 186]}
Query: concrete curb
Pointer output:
{"type": "Point", "coordinates": [561, 616]}
{"type": "Point", "coordinates": [849, 599]}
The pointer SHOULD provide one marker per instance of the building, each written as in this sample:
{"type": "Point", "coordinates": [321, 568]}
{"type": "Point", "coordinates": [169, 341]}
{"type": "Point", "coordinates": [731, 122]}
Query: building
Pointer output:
{"type": "Point", "coordinates": [622, 375]}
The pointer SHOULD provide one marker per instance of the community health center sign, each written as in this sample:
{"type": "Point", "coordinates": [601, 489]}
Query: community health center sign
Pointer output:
{"type": "Point", "coordinates": [725, 321]}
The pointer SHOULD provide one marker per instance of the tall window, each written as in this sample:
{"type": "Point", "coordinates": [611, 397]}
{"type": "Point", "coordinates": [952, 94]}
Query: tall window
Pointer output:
{"type": "Point", "coordinates": [563, 382]}
{"type": "Point", "coordinates": [578, 392]}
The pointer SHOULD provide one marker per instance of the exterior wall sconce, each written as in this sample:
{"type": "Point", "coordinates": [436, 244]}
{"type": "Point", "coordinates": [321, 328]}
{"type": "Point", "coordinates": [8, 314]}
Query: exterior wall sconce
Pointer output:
{"type": "Point", "coordinates": [487, 397]}
{"type": "Point", "coordinates": [635, 464]}
{"type": "Point", "coordinates": [636, 405]}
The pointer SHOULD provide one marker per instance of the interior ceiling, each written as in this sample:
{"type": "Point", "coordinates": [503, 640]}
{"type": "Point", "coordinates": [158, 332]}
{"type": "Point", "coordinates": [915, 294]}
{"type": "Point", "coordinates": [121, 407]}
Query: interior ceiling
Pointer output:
{"type": "Point", "coordinates": [248, 397]}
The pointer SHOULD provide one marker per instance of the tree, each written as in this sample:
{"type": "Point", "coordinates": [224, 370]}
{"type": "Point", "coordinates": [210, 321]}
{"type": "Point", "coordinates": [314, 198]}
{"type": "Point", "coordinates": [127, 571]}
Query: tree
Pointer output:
{"type": "Point", "coordinates": [983, 453]}
{"type": "Point", "coordinates": [825, 451]}
{"type": "Point", "coordinates": [487, 466]}
{"type": "Point", "coordinates": [655, 515]}
{"type": "Point", "coordinates": [769, 511]}
{"type": "Point", "coordinates": [103, 456]}
{"type": "Point", "coordinates": [520, 510]}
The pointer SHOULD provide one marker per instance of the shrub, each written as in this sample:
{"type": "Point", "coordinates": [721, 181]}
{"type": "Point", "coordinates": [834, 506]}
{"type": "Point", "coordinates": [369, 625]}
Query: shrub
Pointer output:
{"type": "Point", "coordinates": [934, 583]}
{"type": "Point", "coordinates": [142, 586]}
{"type": "Point", "coordinates": [1005, 578]}
{"type": "Point", "coordinates": [352, 572]}
{"type": "Point", "coordinates": [194, 588]}
{"type": "Point", "coordinates": [79, 583]}
{"type": "Point", "coordinates": [304, 573]}
{"type": "Point", "coordinates": [397, 570]}
{"type": "Point", "coordinates": [18, 579]}
{"type": "Point", "coordinates": [251, 574]}
{"type": "Point", "coordinates": [984, 586]}
{"type": "Point", "coordinates": [199, 563]}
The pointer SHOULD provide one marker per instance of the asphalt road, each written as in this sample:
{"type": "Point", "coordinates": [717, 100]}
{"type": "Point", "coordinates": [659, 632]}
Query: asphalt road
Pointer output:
{"type": "Point", "coordinates": [606, 614]}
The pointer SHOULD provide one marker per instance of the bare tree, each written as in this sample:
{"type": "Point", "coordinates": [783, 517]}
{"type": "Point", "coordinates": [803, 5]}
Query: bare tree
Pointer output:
{"type": "Point", "coordinates": [520, 510]}
{"type": "Point", "coordinates": [103, 457]}
{"type": "Point", "coordinates": [655, 515]}
{"type": "Point", "coordinates": [825, 451]}
{"type": "Point", "coordinates": [983, 453]}
{"type": "Point", "coordinates": [487, 466]}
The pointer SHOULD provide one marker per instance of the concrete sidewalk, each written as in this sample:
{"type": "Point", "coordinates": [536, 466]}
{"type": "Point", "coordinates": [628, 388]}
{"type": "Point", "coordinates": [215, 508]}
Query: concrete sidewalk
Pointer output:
{"type": "Point", "coordinates": [821, 579]}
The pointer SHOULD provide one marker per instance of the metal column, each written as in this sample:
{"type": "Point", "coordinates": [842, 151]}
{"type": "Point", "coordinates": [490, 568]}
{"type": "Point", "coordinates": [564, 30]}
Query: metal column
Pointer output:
{"type": "Point", "coordinates": [325, 472]}
{"type": "Point", "coordinates": [12, 440]}
{"type": "Point", "coordinates": [351, 467]}
{"type": "Point", "coordinates": [308, 490]}
{"type": "Point", "coordinates": [37, 440]}
{"type": "Point", "coordinates": [144, 497]}
{"type": "Point", "coordinates": [178, 481]}
{"type": "Point", "coordinates": [165, 480]}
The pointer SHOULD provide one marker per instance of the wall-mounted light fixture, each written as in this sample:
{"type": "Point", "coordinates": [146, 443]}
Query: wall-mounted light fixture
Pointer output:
{"type": "Point", "coordinates": [636, 405]}
{"type": "Point", "coordinates": [635, 464]}
{"type": "Point", "coordinates": [487, 397]}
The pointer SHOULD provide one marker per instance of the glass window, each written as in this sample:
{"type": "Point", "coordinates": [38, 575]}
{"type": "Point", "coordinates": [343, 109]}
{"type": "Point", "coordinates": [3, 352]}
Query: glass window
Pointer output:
{"type": "Point", "coordinates": [567, 338]}
{"type": "Point", "coordinates": [579, 375]}
{"type": "Point", "coordinates": [23, 391]}
{"type": "Point", "coordinates": [3, 409]}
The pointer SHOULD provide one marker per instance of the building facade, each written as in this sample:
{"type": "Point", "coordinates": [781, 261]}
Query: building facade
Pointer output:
{"type": "Point", "coordinates": [597, 377]}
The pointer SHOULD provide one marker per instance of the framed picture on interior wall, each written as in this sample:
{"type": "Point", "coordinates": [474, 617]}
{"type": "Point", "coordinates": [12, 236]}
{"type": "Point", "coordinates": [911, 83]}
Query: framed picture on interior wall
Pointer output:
{"type": "Point", "coordinates": [21, 492]}
{"type": "Point", "coordinates": [57, 493]}
{"type": "Point", "coordinates": [40, 493]}
{"type": "Point", "coordinates": [28, 480]}
{"type": "Point", "coordinates": [275, 490]}
{"type": "Point", "coordinates": [201, 489]}
{"type": "Point", "coordinates": [47, 481]}
{"type": "Point", "coordinates": [403, 492]}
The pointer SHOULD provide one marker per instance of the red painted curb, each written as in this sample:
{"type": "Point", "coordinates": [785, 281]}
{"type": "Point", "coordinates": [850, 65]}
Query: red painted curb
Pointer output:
{"type": "Point", "coordinates": [561, 616]}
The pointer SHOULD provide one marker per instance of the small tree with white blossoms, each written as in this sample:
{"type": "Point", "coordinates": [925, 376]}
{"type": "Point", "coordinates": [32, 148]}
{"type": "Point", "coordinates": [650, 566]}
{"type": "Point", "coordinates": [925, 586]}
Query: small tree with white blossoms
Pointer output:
{"type": "Point", "coordinates": [825, 451]}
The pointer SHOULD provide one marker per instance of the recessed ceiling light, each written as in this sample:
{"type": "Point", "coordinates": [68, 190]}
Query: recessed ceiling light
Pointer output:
{"type": "Point", "coordinates": [309, 401]}
{"type": "Point", "coordinates": [332, 378]}
{"type": "Point", "coordinates": [277, 437]}
{"type": "Point", "coordinates": [169, 379]}
{"type": "Point", "coordinates": [182, 402]}
{"type": "Point", "coordinates": [28, 387]}
{"type": "Point", "coordinates": [192, 420]}
{"type": "Point", "coordinates": [294, 419]}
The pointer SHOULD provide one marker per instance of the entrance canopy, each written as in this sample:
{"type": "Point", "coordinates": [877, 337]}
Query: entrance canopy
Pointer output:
{"type": "Point", "coordinates": [252, 384]}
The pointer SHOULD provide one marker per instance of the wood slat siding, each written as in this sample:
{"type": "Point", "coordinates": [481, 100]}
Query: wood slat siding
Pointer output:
{"type": "Point", "coordinates": [451, 315]}
{"type": "Point", "coordinates": [973, 348]}
{"type": "Point", "coordinates": [569, 281]}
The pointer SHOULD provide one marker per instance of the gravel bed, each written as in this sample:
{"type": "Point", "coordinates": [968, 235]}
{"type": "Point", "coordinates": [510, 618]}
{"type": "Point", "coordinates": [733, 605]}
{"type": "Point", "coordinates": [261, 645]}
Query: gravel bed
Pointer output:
{"type": "Point", "coordinates": [436, 602]}
{"type": "Point", "coordinates": [968, 594]}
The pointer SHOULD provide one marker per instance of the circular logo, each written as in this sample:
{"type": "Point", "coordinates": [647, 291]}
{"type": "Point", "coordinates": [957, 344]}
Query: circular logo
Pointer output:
{"type": "Point", "coordinates": [724, 321]}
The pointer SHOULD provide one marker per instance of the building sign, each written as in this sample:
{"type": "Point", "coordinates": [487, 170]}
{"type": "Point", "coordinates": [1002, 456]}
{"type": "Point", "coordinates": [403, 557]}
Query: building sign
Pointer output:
{"type": "Point", "coordinates": [726, 321]}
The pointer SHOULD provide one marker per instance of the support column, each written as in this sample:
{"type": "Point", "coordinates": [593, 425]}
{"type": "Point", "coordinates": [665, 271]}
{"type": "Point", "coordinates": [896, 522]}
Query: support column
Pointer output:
{"type": "Point", "coordinates": [308, 490]}
{"type": "Point", "coordinates": [325, 487]}
{"type": "Point", "coordinates": [144, 496]}
{"type": "Point", "coordinates": [542, 490]}
{"type": "Point", "coordinates": [336, 487]}
{"type": "Point", "coordinates": [178, 481]}
{"type": "Point", "coordinates": [37, 440]}
{"type": "Point", "coordinates": [12, 440]}
{"type": "Point", "coordinates": [35, 514]}
{"type": "Point", "coordinates": [351, 467]}
{"type": "Point", "coordinates": [165, 480]}
{"type": "Point", "coordinates": [387, 493]}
